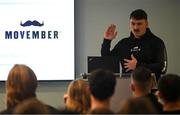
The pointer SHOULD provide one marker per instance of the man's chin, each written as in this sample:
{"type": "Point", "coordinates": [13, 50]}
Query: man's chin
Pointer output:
{"type": "Point", "coordinates": [137, 35]}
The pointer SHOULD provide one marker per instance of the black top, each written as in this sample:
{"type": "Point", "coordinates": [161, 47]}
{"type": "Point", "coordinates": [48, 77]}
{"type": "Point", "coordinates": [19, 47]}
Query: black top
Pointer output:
{"type": "Point", "coordinates": [157, 106]}
{"type": "Point", "coordinates": [101, 111]}
{"type": "Point", "coordinates": [7, 111]}
{"type": "Point", "coordinates": [148, 50]}
{"type": "Point", "coordinates": [51, 110]}
{"type": "Point", "coordinates": [171, 112]}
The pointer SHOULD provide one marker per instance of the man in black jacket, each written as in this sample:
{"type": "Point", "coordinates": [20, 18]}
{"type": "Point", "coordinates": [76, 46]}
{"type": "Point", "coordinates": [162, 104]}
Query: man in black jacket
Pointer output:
{"type": "Point", "coordinates": [142, 84]}
{"type": "Point", "coordinates": [141, 48]}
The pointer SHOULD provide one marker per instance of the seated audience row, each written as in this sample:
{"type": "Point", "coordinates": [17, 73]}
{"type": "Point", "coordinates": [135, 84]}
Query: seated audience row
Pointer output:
{"type": "Point", "coordinates": [94, 96]}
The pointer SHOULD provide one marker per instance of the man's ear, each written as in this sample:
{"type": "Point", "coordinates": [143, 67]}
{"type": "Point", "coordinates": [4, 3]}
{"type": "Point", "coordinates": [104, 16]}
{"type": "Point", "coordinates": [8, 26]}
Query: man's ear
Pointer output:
{"type": "Point", "coordinates": [147, 24]}
{"type": "Point", "coordinates": [65, 97]}
{"type": "Point", "coordinates": [159, 95]}
{"type": "Point", "coordinates": [132, 87]}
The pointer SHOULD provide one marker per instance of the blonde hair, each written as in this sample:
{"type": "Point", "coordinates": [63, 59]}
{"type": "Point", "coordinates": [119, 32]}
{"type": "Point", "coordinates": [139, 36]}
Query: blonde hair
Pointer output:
{"type": "Point", "coordinates": [78, 96]}
{"type": "Point", "coordinates": [20, 85]}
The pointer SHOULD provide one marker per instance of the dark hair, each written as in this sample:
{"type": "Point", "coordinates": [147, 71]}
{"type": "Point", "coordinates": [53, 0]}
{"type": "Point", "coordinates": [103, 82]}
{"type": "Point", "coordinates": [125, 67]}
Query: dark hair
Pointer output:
{"type": "Point", "coordinates": [169, 87]}
{"type": "Point", "coordinates": [102, 84]}
{"type": "Point", "coordinates": [138, 14]}
{"type": "Point", "coordinates": [142, 76]}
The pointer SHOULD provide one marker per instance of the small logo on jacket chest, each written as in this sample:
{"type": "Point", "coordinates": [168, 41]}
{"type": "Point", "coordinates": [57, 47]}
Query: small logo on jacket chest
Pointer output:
{"type": "Point", "coordinates": [135, 49]}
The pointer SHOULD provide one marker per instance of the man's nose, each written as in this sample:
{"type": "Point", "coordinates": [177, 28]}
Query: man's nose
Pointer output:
{"type": "Point", "coordinates": [136, 26]}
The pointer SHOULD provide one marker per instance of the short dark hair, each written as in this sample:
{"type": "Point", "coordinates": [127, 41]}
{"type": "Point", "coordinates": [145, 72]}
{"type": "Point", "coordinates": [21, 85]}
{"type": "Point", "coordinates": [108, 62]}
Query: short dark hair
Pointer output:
{"type": "Point", "coordinates": [142, 76]}
{"type": "Point", "coordinates": [169, 87]}
{"type": "Point", "coordinates": [102, 84]}
{"type": "Point", "coordinates": [138, 14]}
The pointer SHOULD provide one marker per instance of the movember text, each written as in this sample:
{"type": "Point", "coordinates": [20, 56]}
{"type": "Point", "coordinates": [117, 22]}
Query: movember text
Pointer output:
{"type": "Point", "coordinates": [31, 34]}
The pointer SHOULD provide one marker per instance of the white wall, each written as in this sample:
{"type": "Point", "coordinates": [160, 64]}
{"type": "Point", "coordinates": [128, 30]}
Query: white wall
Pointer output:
{"type": "Point", "coordinates": [92, 18]}
{"type": "Point", "coordinates": [95, 15]}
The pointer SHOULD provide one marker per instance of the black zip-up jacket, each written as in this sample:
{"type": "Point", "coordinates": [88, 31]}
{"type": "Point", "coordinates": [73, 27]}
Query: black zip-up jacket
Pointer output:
{"type": "Point", "coordinates": [149, 51]}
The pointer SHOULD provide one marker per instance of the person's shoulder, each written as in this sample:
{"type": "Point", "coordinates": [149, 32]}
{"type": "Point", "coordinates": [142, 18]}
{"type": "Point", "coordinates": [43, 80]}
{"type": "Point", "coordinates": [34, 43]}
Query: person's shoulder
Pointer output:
{"type": "Point", "coordinates": [156, 42]}
{"type": "Point", "coordinates": [157, 39]}
{"type": "Point", "coordinates": [52, 109]}
{"type": "Point", "coordinates": [7, 111]}
{"type": "Point", "coordinates": [171, 112]}
{"type": "Point", "coordinates": [100, 111]}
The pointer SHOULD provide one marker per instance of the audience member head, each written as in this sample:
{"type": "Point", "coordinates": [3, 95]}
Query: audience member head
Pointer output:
{"type": "Point", "coordinates": [21, 84]}
{"type": "Point", "coordinates": [169, 88]}
{"type": "Point", "coordinates": [31, 106]}
{"type": "Point", "coordinates": [141, 81]}
{"type": "Point", "coordinates": [102, 84]}
{"type": "Point", "coordinates": [78, 96]}
{"type": "Point", "coordinates": [137, 106]}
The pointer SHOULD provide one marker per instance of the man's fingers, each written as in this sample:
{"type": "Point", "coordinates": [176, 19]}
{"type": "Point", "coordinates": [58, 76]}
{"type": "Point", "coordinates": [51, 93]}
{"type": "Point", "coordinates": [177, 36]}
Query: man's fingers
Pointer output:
{"type": "Point", "coordinates": [111, 32]}
{"type": "Point", "coordinates": [126, 66]}
{"type": "Point", "coordinates": [126, 60]}
{"type": "Point", "coordinates": [128, 70]}
{"type": "Point", "coordinates": [111, 28]}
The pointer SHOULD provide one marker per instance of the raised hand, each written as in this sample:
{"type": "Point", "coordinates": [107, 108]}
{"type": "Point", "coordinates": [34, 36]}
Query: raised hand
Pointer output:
{"type": "Point", "coordinates": [110, 32]}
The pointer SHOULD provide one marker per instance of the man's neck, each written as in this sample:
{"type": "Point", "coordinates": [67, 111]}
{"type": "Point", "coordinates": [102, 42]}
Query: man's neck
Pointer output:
{"type": "Point", "coordinates": [99, 104]}
{"type": "Point", "coordinates": [140, 94]}
{"type": "Point", "coordinates": [172, 106]}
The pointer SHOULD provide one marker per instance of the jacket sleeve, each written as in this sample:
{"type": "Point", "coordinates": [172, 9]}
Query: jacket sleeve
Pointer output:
{"type": "Point", "coordinates": [105, 48]}
{"type": "Point", "coordinates": [159, 64]}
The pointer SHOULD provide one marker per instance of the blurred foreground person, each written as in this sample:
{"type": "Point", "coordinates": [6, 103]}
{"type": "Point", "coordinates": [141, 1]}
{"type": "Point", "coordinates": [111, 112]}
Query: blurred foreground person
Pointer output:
{"type": "Point", "coordinates": [102, 86]}
{"type": "Point", "coordinates": [137, 106]}
{"type": "Point", "coordinates": [169, 93]}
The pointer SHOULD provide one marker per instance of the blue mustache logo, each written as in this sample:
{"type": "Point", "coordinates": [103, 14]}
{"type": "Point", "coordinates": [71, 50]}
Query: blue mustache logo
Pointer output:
{"type": "Point", "coordinates": [31, 23]}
